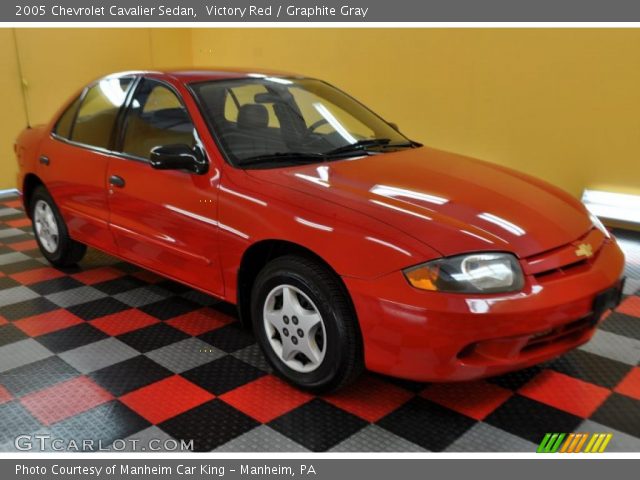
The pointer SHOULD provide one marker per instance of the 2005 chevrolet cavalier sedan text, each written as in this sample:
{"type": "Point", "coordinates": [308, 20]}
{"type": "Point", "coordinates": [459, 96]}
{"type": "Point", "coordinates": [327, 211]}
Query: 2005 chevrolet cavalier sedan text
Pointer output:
{"type": "Point", "coordinates": [343, 243]}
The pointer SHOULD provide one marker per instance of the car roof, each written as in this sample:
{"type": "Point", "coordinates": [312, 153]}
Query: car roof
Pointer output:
{"type": "Point", "coordinates": [192, 75]}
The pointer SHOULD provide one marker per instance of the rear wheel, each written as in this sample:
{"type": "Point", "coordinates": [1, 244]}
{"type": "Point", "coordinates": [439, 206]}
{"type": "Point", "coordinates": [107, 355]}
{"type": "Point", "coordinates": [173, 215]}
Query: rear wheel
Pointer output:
{"type": "Point", "coordinates": [305, 324]}
{"type": "Point", "coordinates": [51, 232]}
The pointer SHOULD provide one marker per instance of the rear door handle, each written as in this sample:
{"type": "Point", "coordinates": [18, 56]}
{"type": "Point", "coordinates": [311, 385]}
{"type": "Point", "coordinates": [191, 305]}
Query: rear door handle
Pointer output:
{"type": "Point", "coordinates": [44, 160]}
{"type": "Point", "coordinates": [116, 181]}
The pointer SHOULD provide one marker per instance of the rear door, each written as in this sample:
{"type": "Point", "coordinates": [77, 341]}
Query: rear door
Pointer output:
{"type": "Point", "coordinates": [74, 160]}
{"type": "Point", "coordinates": [165, 220]}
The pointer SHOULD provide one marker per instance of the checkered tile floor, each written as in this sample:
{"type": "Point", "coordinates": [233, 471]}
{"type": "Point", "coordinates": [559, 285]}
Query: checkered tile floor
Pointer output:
{"type": "Point", "coordinates": [108, 351]}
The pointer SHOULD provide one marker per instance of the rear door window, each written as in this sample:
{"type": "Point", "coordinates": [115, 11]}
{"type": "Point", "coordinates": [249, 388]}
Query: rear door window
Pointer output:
{"type": "Point", "coordinates": [98, 112]}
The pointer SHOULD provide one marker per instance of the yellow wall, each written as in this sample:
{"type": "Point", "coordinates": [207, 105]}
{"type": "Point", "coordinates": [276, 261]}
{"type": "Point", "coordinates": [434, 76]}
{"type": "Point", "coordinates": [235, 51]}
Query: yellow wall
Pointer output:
{"type": "Point", "coordinates": [12, 117]}
{"type": "Point", "coordinates": [57, 62]}
{"type": "Point", "coordinates": [560, 104]}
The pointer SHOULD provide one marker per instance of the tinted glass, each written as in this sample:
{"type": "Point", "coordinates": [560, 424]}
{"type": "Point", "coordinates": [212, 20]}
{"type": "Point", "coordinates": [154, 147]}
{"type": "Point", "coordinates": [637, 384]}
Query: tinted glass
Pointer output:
{"type": "Point", "coordinates": [156, 117]}
{"type": "Point", "coordinates": [98, 112]}
{"type": "Point", "coordinates": [63, 127]}
{"type": "Point", "coordinates": [278, 117]}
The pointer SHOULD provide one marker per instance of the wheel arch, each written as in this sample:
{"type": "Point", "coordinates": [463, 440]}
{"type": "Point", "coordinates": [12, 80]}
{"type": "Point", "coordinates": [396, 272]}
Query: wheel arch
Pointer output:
{"type": "Point", "coordinates": [31, 181]}
{"type": "Point", "coordinates": [257, 256]}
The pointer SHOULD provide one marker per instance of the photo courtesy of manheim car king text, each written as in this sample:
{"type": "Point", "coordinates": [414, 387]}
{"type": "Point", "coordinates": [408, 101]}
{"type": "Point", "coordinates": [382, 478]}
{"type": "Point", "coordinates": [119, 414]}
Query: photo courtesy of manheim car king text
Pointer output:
{"type": "Point", "coordinates": [359, 239]}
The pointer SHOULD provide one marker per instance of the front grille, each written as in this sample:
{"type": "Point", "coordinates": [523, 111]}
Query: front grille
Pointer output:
{"type": "Point", "coordinates": [563, 261]}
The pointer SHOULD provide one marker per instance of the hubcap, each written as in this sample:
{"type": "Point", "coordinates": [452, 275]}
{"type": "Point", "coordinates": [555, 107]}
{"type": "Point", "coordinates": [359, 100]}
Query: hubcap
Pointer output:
{"type": "Point", "coordinates": [46, 226]}
{"type": "Point", "coordinates": [295, 328]}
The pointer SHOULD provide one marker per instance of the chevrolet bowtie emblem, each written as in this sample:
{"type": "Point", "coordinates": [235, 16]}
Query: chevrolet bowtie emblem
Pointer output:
{"type": "Point", "coordinates": [584, 250]}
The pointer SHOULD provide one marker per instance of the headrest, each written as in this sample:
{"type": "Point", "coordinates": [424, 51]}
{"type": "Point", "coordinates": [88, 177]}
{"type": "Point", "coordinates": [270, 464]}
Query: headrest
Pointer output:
{"type": "Point", "coordinates": [253, 115]}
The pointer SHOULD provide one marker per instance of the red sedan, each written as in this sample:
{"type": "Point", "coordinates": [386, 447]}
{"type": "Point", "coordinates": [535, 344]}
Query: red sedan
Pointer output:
{"type": "Point", "coordinates": [343, 243]}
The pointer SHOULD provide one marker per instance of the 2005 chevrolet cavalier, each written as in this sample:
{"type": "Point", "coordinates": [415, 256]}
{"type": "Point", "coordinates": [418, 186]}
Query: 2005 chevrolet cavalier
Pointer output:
{"type": "Point", "coordinates": [343, 243]}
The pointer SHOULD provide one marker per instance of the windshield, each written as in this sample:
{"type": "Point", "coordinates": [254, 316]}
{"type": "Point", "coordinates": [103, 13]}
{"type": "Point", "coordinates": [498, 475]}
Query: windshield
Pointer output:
{"type": "Point", "coordinates": [276, 121]}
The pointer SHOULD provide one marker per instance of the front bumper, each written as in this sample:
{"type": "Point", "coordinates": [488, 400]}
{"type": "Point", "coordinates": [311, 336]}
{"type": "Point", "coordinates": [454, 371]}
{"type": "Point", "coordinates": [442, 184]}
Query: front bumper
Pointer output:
{"type": "Point", "coordinates": [433, 336]}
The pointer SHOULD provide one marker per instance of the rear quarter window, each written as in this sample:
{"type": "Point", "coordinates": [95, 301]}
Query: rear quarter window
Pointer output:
{"type": "Point", "coordinates": [63, 126]}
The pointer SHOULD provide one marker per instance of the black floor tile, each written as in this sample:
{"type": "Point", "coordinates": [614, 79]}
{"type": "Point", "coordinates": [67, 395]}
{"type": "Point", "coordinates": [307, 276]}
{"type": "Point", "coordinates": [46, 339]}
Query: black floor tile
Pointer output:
{"type": "Point", "coordinates": [223, 375]}
{"type": "Point", "coordinates": [620, 413]}
{"type": "Point", "coordinates": [622, 324]}
{"type": "Point", "coordinates": [16, 420]}
{"type": "Point", "coordinates": [152, 337]}
{"type": "Point", "coordinates": [170, 307]}
{"type": "Point", "coordinates": [209, 425]}
{"type": "Point", "coordinates": [427, 424]}
{"type": "Point", "coordinates": [10, 334]}
{"type": "Point", "coordinates": [37, 375]}
{"type": "Point", "coordinates": [101, 425]}
{"type": "Point", "coordinates": [98, 308]}
{"type": "Point", "coordinates": [28, 308]}
{"type": "Point", "coordinates": [130, 375]}
{"type": "Point", "coordinates": [55, 285]}
{"type": "Point", "coordinates": [591, 368]}
{"type": "Point", "coordinates": [119, 285]}
{"type": "Point", "coordinates": [317, 425]}
{"type": "Point", "coordinates": [229, 338]}
{"type": "Point", "coordinates": [72, 337]}
{"type": "Point", "coordinates": [531, 420]}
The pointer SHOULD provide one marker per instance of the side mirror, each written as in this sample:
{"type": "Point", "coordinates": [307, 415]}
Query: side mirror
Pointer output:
{"type": "Point", "coordinates": [178, 157]}
{"type": "Point", "coordinates": [394, 126]}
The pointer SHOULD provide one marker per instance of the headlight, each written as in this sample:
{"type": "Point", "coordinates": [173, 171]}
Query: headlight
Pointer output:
{"type": "Point", "coordinates": [599, 225]}
{"type": "Point", "coordinates": [474, 273]}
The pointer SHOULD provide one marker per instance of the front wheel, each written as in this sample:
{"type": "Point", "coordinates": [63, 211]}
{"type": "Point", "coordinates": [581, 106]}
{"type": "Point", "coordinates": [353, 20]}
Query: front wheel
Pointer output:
{"type": "Point", "coordinates": [305, 324]}
{"type": "Point", "coordinates": [51, 232]}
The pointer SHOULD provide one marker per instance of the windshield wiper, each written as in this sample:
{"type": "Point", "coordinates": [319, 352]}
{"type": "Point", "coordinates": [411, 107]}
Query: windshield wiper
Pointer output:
{"type": "Point", "coordinates": [298, 157]}
{"type": "Point", "coordinates": [359, 145]}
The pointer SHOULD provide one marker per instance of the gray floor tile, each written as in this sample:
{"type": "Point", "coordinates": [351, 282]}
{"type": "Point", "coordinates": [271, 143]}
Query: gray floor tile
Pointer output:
{"type": "Point", "coordinates": [376, 439]}
{"type": "Point", "coordinates": [75, 296]}
{"type": "Point", "coordinates": [16, 295]}
{"type": "Point", "coordinates": [151, 439]}
{"type": "Point", "coordinates": [21, 353]}
{"type": "Point", "coordinates": [185, 355]}
{"type": "Point", "coordinates": [616, 347]}
{"type": "Point", "coordinates": [253, 356]}
{"type": "Point", "coordinates": [483, 437]}
{"type": "Point", "coordinates": [620, 442]}
{"type": "Point", "coordinates": [97, 355]}
{"type": "Point", "coordinates": [261, 439]}
{"type": "Point", "coordinates": [13, 257]}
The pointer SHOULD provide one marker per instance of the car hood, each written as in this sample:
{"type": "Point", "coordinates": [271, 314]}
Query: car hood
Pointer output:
{"type": "Point", "coordinates": [452, 203]}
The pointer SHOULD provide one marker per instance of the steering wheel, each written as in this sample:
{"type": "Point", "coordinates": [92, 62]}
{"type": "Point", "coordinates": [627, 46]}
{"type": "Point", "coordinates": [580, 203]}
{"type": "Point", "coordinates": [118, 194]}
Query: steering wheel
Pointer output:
{"type": "Point", "coordinates": [315, 125]}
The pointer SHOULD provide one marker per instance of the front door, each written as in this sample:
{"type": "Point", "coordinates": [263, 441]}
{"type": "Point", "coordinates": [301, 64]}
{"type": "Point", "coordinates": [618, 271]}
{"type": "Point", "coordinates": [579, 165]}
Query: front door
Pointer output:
{"type": "Point", "coordinates": [163, 219]}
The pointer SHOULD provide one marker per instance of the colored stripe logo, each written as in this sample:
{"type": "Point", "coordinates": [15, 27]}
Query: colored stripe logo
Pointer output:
{"type": "Point", "coordinates": [574, 443]}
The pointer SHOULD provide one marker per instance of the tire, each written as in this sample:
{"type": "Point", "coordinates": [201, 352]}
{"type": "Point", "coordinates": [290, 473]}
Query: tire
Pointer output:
{"type": "Point", "coordinates": [334, 343]}
{"type": "Point", "coordinates": [51, 232]}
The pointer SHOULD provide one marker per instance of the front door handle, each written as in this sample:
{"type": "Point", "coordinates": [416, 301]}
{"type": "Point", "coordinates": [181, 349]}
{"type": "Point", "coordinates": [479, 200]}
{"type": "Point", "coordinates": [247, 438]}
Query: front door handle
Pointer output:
{"type": "Point", "coordinates": [116, 181]}
{"type": "Point", "coordinates": [44, 160]}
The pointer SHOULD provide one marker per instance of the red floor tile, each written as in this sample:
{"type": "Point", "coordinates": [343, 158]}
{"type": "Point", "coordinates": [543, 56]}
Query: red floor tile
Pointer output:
{"type": "Point", "coordinates": [37, 275]}
{"type": "Point", "coordinates": [123, 322]}
{"type": "Point", "coordinates": [65, 400]}
{"type": "Point", "coordinates": [565, 393]}
{"type": "Point", "coordinates": [22, 246]}
{"type": "Point", "coordinates": [19, 223]}
{"type": "Point", "coordinates": [630, 306]}
{"type": "Point", "coordinates": [630, 385]}
{"type": "Point", "coordinates": [266, 398]}
{"type": "Point", "coordinates": [473, 399]}
{"type": "Point", "coordinates": [166, 399]}
{"type": "Point", "coordinates": [200, 321]}
{"type": "Point", "coordinates": [370, 398]}
{"type": "Point", "coordinates": [97, 275]}
{"type": "Point", "coordinates": [47, 322]}
{"type": "Point", "coordinates": [5, 396]}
